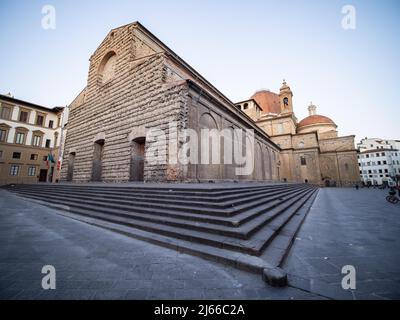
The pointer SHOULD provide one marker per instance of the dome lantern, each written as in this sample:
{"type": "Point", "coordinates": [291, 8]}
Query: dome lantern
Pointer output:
{"type": "Point", "coordinates": [312, 109]}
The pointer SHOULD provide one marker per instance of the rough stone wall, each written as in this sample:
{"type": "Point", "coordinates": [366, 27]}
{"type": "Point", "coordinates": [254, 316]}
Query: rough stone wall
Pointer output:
{"type": "Point", "coordinates": [277, 126]}
{"type": "Point", "coordinates": [293, 171]}
{"type": "Point", "coordinates": [144, 87]}
{"type": "Point", "coordinates": [304, 141]}
{"type": "Point", "coordinates": [208, 113]}
{"type": "Point", "coordinates": [337, 144]}
{"type": "Point", "coordinates": [339, 167]}
{"type": "Point", "coordinates": [339, 160]}
{"type": "Point", "coordinates": [287, 165]}
{"type": "Point", "coordinates": [311, 170]}
{"type": "Point", "coordinates": [136, 97]}
{"type": "Point", "coordinates": [283, 141]}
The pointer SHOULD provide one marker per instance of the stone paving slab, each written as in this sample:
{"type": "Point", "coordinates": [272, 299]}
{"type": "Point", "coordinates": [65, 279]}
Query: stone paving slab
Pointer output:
{"type": "Point", "coordinates": [93, 263]}
{"type": "Point", "coordinates": [348, 227]}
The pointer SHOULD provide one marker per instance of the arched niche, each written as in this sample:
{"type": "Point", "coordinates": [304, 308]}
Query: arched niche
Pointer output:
{"type": "Point", "coordinates": [107, 67]}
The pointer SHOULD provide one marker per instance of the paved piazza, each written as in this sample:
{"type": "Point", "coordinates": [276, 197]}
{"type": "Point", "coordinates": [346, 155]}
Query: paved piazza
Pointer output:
{"type": "Point", "coordinates": [344, 227]}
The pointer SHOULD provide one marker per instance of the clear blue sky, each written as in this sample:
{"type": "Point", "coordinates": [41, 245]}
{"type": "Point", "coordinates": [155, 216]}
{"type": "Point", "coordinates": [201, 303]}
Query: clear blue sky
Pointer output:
{"type": "Point", "coordinates": [352, 76]}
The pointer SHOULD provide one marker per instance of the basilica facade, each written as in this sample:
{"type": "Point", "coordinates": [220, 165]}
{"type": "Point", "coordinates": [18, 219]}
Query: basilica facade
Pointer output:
{"type": "Point", "coordinates": [137, 85]}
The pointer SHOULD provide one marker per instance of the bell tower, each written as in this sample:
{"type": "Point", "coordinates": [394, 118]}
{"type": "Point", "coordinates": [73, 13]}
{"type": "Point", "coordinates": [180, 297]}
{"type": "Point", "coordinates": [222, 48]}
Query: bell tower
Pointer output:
{"type": "Point", "coordinates": [285, 96]}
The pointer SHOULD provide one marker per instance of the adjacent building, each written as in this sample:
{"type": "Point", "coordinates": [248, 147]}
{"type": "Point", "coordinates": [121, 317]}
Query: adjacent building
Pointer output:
{"type": "Point", "coordinates": [379, 161]}
{"type": "Point", "coordinates": [30, 141]}
{"type": "Point", "coordinates": [311, 149]}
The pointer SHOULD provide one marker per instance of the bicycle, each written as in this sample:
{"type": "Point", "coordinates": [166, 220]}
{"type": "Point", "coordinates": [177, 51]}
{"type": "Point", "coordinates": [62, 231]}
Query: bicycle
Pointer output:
{"type": "Point", "coordinates": [392, 198]}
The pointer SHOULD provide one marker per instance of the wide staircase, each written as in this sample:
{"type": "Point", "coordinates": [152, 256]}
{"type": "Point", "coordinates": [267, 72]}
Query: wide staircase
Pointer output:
{"type": "Point", "coordinates": [249, 226]}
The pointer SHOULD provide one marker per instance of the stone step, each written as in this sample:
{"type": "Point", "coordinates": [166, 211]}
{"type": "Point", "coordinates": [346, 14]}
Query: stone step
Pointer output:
{"type": "Point", "coordinates": [167, 215]}
{"type": "Point", "coordinates": [154, 206]}
{"type": "Point", "coordinates": [203, 233]}
{"type": "Point", "coordinates": [235, 220]}
{"type": "Point", "coordinates": [165, 189]}
{"type": "Point", "coordinates": [272, 275]}
{"type": "Point", "coordinates": [266, 235]}
{"type": "Point", "coordinates": [232, 201]}
{"type": "Point", "coordinates": [278, 249]}
{"type": "Point", "coordinates": [118, 193]}
{"type": "Point", "coordinates": [251, 228]}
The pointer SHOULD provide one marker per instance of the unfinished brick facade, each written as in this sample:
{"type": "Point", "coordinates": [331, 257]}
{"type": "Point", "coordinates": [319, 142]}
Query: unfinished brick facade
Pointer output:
{"type": "Point", "coordinates": [136, 83]}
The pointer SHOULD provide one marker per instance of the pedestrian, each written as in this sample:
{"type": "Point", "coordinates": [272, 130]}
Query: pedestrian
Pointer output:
{"type": "Point", "coordinates": [357, 186]}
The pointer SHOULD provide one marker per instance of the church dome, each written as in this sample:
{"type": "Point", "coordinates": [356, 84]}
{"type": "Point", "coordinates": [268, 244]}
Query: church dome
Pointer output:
{"type": "Point", "coordinates": [268, 101]}
{"type": "Point", "coordinates": [315, 122]}
{"type": "Point", "coordinates": [315, 119]}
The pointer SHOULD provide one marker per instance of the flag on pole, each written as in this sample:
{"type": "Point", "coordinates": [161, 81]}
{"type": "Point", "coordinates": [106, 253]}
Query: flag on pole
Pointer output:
{"type": "Point", "coordinates": [49, 159]}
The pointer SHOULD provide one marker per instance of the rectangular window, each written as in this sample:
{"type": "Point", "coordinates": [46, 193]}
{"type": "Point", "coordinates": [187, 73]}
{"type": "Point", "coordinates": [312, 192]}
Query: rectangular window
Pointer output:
{"type": "Point", "coordinates": [36, 141]}
{"type": "Point", "coordinates": [39, 120]}
{"type": "Point", "coordinates": [384, 162]}
{"type": "Point", "coordinates": [16, 155]}
{"type": "Point", "coordinates": [3, 135]}
{"type": "Point", "coordinates": [386, 171]}
{"type": "Point", "coordinates": [48, 141]}
{"type": "Point", "coordinates": [377, 154]}
{"type": "Point", "coordinates": [14, 170]}
{"type": "Point", "coordinates": [34, 156]}
{"type": "Point", "coordinates": [19, 138]}
{"type": "Point", "coordinates": [5, 112]}
{"type": "Point", "coordinates": [1, 154]}
{"type": "Point", "coordinates": [367, 155]}
{"type": "Point", "coordinates": [31, 171]}
{"type": "Point", "coordinates": [23, 116]}
{"type": "Point", "coordinates": [44, 158]}
{"type": "Point", "coordinates": [383, 154]}
{"type": "Point", "coordinates": [51, 124]}
{"type": "Point", "coordinates": [303, 161]}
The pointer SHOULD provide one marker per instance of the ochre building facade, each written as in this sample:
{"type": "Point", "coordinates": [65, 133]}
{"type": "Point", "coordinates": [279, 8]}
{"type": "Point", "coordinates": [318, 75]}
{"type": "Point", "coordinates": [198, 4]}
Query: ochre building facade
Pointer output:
{"type": "Point", "coordinates": [31, 138]}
